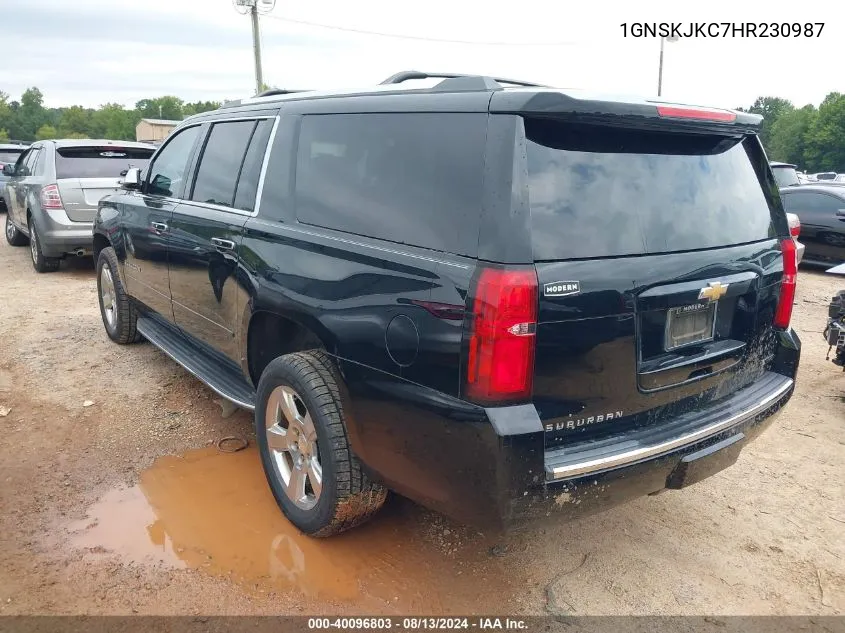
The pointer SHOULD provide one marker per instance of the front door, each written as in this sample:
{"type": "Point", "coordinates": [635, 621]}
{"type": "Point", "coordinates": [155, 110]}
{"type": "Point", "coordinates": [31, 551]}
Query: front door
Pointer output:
{"type": "Point", "coordinates": [206, 232]}
{"type": "Point", "coordinates": [147, 217]}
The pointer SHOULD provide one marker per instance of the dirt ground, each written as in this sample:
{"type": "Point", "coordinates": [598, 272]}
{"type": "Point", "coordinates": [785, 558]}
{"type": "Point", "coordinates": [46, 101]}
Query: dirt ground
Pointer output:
{"type": "Point", "coordinates": [114, 500]}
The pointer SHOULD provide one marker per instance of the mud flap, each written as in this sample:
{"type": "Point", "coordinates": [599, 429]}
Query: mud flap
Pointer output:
{"type": "Point", "coordinates": [708, 461]}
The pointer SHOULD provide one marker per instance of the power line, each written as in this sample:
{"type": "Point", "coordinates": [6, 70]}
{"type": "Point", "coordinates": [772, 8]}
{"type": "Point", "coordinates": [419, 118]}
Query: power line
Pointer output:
{"type": "Point", "coordinates": [418, 38]}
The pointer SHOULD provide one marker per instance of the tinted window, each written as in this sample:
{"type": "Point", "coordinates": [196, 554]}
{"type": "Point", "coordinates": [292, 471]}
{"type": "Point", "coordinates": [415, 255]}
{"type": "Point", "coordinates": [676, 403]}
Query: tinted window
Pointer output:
{"type": "Point", "coordinates": [811, 201]}
{"type": "Point", "coordinates": [251, 170]}
{"type": "Point", "coordinates": [408, 178]}
{"type": "Point", "coordinates": [598, 191]}
{"type": "Point", "coordinates": [167, 173]}
{"type": "Point", "coordinates": [99, 162]}
{"type": "Point", "coordinates": [9, 155]}
{"type": "Point", "coordinates": [221, 162]}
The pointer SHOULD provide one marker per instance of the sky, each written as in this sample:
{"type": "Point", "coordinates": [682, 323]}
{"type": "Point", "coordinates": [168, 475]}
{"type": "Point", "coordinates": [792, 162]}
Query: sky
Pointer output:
{"type": "Point", "coordinates": [90, 52]}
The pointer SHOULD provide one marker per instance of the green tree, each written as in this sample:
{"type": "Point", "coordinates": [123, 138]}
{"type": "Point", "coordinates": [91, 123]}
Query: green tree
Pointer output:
{"type": "Point", "coordinates": [31, 114]}
{"type": "Point", "coordinates": [788, 138]}
{"type": "Point", "coordinates": [825, 138]}
{"type": "Point", "coordinates": [75, 120]}
{"type": "Point", "coordinates": [771, 108]}
{"type": "Point", "coordinates": [167, 107]}
{"type": "Point", "coordinates": [4, 135]}
{"type": "Point", "coordinates": [46, 132]}
{"type": "Point", "coordinates": [196, 107]}
{"type": "Point", "coordinates": [113, 121]}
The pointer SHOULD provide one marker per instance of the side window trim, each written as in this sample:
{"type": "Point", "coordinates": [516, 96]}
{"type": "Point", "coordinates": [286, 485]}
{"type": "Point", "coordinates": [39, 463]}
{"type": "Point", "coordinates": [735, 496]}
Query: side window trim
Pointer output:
{"type": "Point", "coordinates": [195, 170]}
{"type": "Point", "coordinates": [188, 168]}
{"type": "Point", "coordinates": [261, 177]}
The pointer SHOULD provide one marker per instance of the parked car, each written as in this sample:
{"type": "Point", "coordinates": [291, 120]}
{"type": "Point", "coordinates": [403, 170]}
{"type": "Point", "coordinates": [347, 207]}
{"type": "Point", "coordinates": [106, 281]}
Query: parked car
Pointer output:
{"type": "Point", "coordinates": [821, 209]}
{"type": "Point", "coordinates": [53, 189]}
{"type": "Point", "coordinates": [464, 293]}
{"type": "Point", "coordinates": [825, 175]}
{"type": "Point", "coordinates": [785, 174]}
{"type": "Point", "coordinates": [9, 154]}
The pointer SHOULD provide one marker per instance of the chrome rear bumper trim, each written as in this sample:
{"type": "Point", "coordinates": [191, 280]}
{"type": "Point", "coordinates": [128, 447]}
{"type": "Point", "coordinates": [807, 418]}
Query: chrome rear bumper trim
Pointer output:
{"type": "Point", "coordinates": [643, 452]}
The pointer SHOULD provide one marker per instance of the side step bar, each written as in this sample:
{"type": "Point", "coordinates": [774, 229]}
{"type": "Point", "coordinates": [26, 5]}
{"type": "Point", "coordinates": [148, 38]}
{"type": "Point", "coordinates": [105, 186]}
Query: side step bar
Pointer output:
{"type": "Point", "coordinates": [223, 378]}
{"type": "Point", "coordinates": [628, 448]}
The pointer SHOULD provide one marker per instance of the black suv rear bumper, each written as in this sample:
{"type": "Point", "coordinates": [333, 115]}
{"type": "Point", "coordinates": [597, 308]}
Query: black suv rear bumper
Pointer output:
{"type": "Point", "coordinates": [490, 467]}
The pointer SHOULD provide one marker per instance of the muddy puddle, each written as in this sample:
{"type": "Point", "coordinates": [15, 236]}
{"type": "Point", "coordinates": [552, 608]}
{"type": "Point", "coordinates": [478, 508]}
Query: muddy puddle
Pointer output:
{"type": "Point", "coordinates": [213, 512]}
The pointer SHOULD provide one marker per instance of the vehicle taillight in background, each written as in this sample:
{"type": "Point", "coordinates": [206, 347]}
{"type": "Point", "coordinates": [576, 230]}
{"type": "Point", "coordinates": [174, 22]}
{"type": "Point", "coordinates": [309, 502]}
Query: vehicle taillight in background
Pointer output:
{"type": "Point", "coordinates": [50, 198]}
{"type": "Point", "coordinates": [502, 335]}
{"type": "Point", "coordinates": [794, 225]}
{"type": "Point", "coordinates": [783, 313]}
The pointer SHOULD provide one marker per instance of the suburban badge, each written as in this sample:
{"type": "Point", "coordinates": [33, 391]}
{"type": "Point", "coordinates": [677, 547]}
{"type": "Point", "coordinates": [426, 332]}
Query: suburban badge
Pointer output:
{"type": "Point", "coordinates": [561, 288]}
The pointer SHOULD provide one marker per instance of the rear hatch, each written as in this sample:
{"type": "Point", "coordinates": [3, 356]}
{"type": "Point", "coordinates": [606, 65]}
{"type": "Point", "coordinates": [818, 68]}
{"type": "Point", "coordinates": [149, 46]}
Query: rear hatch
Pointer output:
{"type": "Point", "coordinates": [658, 257]}
{"type": "Point", "coordinates": [86, 174]}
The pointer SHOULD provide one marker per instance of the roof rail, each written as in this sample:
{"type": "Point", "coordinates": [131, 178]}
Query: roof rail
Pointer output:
{"type": "Point", "coordinates": [277, 91]}
{"type": "Point", "coordinates": [456, 81]}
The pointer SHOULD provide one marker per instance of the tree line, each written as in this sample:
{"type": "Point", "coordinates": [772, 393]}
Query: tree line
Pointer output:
{"type": "Point", "coordinates": [30, 120]}
{"type": "Point", "coordinates": [810, 137]}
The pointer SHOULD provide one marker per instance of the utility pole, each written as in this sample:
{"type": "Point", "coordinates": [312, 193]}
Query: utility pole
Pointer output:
{"type": "Point", "coordinates": [256, 46]}
{"type": "Point", "coordinates": [660, 69]}
{"type": "Point", "coordinates": [252, 7]}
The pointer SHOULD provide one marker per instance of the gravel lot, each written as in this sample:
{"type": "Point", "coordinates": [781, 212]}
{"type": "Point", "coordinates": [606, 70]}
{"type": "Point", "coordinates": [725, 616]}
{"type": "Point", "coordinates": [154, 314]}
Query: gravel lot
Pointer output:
{"type": "Point", "coordinates": [114, 500]}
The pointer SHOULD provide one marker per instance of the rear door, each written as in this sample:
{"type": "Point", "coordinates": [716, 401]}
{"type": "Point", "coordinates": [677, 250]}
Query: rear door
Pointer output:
{"type": "Point", "coordinates": [24, 185]}
{"type": "Point", "coordinates": [87, 173]}
{"type": "Point", "coordinates": [146, 219]}
{"type": "Point", "coordinates": [206, 232]}
{"type": "Point", "coordinates": [658, 261]}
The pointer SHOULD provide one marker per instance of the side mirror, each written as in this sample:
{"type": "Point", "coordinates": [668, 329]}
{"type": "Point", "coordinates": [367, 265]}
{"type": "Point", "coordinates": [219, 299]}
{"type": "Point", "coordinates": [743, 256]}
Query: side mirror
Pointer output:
{"type": "Point", "coordinates": [132, 179]}
{"type": "Point", "coordinates": [8, 169]}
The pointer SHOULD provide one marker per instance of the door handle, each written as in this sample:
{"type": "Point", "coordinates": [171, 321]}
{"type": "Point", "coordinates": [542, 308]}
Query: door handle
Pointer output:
{"type": "Point", "coordinates": [160, 227]}
{"type": "Point", "coordinates": [226, 245]}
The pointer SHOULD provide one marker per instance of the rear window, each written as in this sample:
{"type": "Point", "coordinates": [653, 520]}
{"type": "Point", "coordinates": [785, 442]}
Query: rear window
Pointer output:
{"type": "Point", "coordinates": [410, 178]}
{"type": "Point", "coordinates": [99, 162]}
{"type": "Point", "coordinates": [598, 191]}
{"type": "Point", "coordinates": [786, 176]}
{"type": "Point", "coordinates": [9, 155]}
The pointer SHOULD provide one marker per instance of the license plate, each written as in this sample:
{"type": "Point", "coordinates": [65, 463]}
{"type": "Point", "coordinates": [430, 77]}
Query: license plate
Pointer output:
{"type": "Point", "coordinates": [690, 324]}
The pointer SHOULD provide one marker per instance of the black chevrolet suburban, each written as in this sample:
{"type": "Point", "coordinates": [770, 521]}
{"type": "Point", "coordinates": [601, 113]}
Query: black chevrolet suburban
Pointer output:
{"type": "Point", "coordinates": [502, 300]}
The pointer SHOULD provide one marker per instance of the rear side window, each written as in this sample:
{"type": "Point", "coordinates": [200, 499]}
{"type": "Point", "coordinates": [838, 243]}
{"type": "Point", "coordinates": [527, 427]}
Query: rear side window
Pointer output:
{"type": "Point", "coordinates": [99, 162]}
{"type": "Point", "coordinates": [786, 176]}
{"type": "Point", "coordinates": [221, 162]}
{"type": "Point", "coordinates": [409, 178]}
{"type": "Point", "coordinates": [598, 191]}
{"type": "Point", "coordinates": [251, 170]}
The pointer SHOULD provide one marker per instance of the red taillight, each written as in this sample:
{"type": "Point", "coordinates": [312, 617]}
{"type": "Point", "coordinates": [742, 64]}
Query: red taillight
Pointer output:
{"type": "Point", "coordinates": [500, 362]}
{"type": "Point", "coordinates": [676, 112]}
{"type": "Point", "coordinates": [783, 313]}
{"type": "Point", "coordinates": [50, 198]}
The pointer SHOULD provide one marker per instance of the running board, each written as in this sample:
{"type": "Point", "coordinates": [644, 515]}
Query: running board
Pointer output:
{"type": "Point", "coordinates": [223, 378]}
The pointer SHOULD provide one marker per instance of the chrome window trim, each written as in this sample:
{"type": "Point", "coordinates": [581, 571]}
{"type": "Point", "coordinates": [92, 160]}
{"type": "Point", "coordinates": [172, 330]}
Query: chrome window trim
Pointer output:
{"type": "Point", "coordinates": [261, 175]}
{"type": "Point", "coordinates": [644, 452]}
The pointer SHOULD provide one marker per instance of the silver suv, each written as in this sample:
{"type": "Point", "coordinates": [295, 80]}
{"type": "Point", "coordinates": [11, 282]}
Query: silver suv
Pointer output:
{"type": "Point", "coordinates": [51, 193]}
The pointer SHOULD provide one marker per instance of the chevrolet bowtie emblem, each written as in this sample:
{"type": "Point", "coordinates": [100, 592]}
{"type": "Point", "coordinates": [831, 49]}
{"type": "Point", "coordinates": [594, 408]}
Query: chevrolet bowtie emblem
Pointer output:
{"type": "Point", "coordinates": [713, 292]}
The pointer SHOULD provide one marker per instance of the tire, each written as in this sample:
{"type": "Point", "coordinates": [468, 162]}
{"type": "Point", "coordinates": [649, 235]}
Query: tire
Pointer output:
{"type": "Point", "coordinates": [119, 314]}
{"type": "Point", "coordinates": [40, 262]}
{"type": "Point", "coordinates": [13, 236]}
{"type": "Point", "coordinates": [308, 382]}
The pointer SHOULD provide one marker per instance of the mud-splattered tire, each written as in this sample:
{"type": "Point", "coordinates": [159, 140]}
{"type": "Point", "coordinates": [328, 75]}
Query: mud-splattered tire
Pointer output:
{"type": "Point", "coordinates": [119, 314]}
{"type": "Point", "coordinates": [308, 383]}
